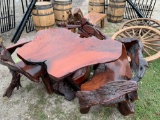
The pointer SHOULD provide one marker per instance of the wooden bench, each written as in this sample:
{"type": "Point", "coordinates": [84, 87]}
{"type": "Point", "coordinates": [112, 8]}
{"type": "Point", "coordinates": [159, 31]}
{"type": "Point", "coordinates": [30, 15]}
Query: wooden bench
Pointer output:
{"type": "Point", "coordinates": [95, 18]}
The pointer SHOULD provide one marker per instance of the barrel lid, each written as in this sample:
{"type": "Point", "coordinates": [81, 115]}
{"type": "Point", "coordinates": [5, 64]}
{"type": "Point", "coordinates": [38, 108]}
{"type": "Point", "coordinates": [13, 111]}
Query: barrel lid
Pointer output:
{"type": "Point", "coordinates": [42, 3]}
{"type": "Point", "coordinates": [62, 0]}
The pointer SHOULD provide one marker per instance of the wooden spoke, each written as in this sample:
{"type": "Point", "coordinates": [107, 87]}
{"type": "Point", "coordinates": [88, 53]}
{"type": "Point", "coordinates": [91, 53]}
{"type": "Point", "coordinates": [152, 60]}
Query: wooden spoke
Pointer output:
{"type": "Point", "coordinates": [143, 31]}
{"type": "Point", "coordinates": [156, 26]}
{"type": "Point", "coordinates": [123, 35]}
{"type": "Point", "coordinates": [128, 34]}
{"type": "Point", "coordinates": [140, 31]}
{"type": "Point", "coordinates": [150, 48]}
{"type": "Point", "coordinates": [152, 40]}
{"type": "Point", "coordinates": [142, 22]}
{"type": "Point", "coordinates": [133, 32]}
{"type": "Point", "coordinates": [152, 44]}
{"type": "Point", "coordinates": [149, 36]}
{"type": "Point", "coordinates": [147, 52]}
{"type": "Point", "coordinates": [146, 33]}
{"type": "Point", "coordinates": [132, 24]}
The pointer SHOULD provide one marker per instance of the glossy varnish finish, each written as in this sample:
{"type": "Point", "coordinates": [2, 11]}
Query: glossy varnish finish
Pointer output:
{"type": "Point", "coordinates": [63, 61]}
{"type": "Point", "coordinates": [108, 72]}
{"type": "Point", "coordinates": [61, 48]}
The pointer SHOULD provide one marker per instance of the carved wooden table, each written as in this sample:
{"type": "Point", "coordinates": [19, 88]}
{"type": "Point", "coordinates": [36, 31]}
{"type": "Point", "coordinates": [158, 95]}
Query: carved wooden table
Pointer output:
{"type": "Point", "coordinates": [63, 52]}
{"type": "Point", "coordinates": [64, 60]}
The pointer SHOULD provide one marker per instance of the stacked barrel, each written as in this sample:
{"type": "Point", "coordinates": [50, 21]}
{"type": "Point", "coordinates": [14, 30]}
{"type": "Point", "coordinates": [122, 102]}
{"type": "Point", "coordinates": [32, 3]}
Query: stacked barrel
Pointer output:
{"type": "Point", "coordinates": [96, 6]}
{"type": "Point", "coordinates": [115, 10]}
{"type": "Point", "coordinates": [43, 15]}
{"type": "Point", "coordinates": [46, 14]}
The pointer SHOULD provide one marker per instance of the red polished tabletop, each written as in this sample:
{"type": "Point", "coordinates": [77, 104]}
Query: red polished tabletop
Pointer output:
{"type": "Point", "coordinates": [64, 52]}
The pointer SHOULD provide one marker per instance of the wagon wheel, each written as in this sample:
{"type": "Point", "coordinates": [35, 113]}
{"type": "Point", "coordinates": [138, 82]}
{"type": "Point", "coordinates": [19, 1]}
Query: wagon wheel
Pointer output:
{"type": "Point", "coordinates": [141, 22]}
{"type": "Point", "coordinates": [149, 36]}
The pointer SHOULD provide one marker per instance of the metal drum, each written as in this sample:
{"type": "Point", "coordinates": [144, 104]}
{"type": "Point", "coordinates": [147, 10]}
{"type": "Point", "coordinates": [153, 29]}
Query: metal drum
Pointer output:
{"type": "Point", "coordinates": [60, 10]}
{"type": "Point", "coordinates": [96, 6]}
{"type": "Point", "coordinates": [43, 15]}
{"type": "Point", "coordinates": [115, 11]}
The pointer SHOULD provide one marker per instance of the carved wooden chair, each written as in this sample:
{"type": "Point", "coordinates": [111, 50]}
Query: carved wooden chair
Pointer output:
{"type": "Point", "coordinates": [108, 75]}
{"type": "Point", "coordinates": [113, 82]}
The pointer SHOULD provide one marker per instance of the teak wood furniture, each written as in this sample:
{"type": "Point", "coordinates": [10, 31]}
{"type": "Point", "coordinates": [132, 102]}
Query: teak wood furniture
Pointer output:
{"type": "Point", "coordinates": [95, 18]}
{"type": "Point", "coordinates": [63, 61]}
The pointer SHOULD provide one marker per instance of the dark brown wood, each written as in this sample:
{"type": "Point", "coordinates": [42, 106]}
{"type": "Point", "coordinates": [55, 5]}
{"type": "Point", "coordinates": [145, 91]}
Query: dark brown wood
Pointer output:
{"type": "Point", "coordinates": [33, 72]}
{"type": "Point", "coordinates": [71, 83]}
{"type": "Point", "coordinates": [78, 15]}
{"type": "Point", "coordinates": [86, 25]}
{"type": "Point", "coordinates": [126, 108]}
{"type": "Point", "coordinates": [5, 59]}
{"type": "Point", "coordinates": [149, 36]}
{"type": "Point", "coordinates": [71, 53]}
{"type": "Point", "coordinates": [112, 72]}
{"type": "Point", "coordinates": [102, 23]}
{"type": "Point", "coordinates": [81, 75]}
{"type": "Point", "coordinates": [134, 48]}
{"type": "Point", "coordinates": [64, 88]}
{"type": "Point", "coordinates": [107, 72]}
{"type": "Point", "coordinates": [109, 92]}
{"type": "Point", "coordinates": [63, 60]}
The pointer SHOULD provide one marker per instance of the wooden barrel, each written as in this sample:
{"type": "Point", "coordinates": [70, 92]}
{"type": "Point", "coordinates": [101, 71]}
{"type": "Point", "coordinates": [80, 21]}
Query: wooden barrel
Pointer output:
{"type": "Point", "coordinates": [96, 6]}
{"type": "Point", "coordinates": [43, 15]}
{"type": "Point", "coordinates": [60, 11]}
{"type": "Point", "coordinates": [115, 10]}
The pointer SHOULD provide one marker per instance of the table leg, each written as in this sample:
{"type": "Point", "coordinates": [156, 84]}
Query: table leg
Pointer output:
{"type": "Point", "coordinates": [48, 83]}
{"type": "Point", "coordinates": [14, 83]}
{"type": "Point", "coordinates": [102, 23]}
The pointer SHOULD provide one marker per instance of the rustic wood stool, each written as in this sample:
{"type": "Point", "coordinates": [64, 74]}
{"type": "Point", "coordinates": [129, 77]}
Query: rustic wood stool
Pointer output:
{"type": "Point", "coordinates": [95, 18]}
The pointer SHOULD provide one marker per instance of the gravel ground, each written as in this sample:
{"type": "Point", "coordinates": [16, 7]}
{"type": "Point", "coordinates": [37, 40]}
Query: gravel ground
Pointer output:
{"type": "Point", "coordinates": [31, 101]}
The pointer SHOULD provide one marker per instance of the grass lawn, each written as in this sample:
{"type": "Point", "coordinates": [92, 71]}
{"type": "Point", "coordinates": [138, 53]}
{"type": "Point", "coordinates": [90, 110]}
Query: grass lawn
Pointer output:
{"type": "Point", "coordinates": [148, 105]}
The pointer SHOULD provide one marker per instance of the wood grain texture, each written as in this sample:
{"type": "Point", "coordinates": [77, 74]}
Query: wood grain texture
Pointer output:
{"type": "Point", "coordinates": [95, 17]}
{"type": "Point", "coordinates": [64, 52]}
{"type": "Point", "coordinates": [126, 108]}
{"type": "Point", "coordinates": [109, 92]}
{"type": "Point", "coordinates": [134, 48]}
{"type": "Point", "coordinates": [20, 43]}
{"type": "Point", "coordinates": [80, 76]}
{"type": "Point", "coordinates": [33, 72]}
{"type": "Point", "coordinates": [107, 72]}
